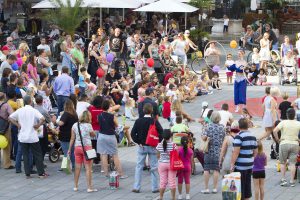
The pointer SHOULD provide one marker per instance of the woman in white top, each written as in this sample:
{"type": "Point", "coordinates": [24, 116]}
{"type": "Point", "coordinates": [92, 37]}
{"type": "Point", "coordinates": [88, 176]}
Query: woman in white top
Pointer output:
{"type": "Point", "coordinates": [265, 54]}
{"type": "Point", "coordinates": [180, 47]}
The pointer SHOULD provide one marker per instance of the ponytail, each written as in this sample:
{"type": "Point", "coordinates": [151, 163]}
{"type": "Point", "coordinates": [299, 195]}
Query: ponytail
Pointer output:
{"type": "Point", "coordinates": [166, 137]}
{"type": "Point", "coordinates": [184, 142]}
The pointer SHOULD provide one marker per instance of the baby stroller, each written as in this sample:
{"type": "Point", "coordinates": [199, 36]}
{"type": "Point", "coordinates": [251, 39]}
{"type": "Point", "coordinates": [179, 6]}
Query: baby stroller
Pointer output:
{"type": "Point", "coordinates": [54, 147]}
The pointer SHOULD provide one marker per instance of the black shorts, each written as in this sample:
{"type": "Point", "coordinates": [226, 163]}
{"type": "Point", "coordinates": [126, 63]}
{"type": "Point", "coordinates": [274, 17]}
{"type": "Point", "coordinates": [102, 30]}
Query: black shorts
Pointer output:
{"type": "Point", "coordinates": [245, 183]}
{"type": "Point", "coordinates": [259, 174]}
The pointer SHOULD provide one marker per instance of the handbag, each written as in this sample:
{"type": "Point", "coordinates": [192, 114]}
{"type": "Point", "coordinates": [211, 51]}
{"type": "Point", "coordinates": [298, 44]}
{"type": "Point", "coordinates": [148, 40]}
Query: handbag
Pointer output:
{"type": "Point", "coordinates": [66, 165]}
{"type": "Point", "coordinates": [89, 154]}
{"type": "Point", "coordinates": [175, 161]}
{"type": "Point", "coordinates": [205, 144]}
{"type": "Point", "coordinates": [4, 124]}
{"type": "Point", "coordinates": [152, 136]}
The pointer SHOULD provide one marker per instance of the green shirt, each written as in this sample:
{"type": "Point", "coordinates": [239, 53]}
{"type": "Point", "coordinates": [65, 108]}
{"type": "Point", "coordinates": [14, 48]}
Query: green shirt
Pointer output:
{"type": "Point", "coordinates": [177, 128]}
{"type": "Point", "coordinates": [77, 53]}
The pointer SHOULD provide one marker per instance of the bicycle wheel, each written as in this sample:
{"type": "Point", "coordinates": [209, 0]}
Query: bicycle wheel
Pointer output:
{"type": "Point", "coordinates": [198, 64]}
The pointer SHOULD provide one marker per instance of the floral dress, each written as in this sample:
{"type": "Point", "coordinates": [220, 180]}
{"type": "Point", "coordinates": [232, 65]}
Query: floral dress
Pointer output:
{"type": "Point", "coordinates": [216, 133]}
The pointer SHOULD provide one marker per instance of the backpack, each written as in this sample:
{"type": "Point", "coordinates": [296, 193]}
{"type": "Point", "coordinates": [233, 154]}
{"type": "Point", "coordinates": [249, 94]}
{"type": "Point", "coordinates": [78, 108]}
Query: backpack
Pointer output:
{"type": "Point", "coordinates": [4, 124]}
{"type": "Point", "coordinates": [152, 136]}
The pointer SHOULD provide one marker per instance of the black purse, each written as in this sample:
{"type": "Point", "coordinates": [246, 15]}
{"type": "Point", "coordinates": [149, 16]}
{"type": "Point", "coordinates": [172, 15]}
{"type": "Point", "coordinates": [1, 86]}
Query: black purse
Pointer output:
{"type": "Point", "coordinates": [89, 154]}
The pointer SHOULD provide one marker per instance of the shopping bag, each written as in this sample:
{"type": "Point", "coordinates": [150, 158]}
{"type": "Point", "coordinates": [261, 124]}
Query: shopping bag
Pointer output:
{"type": "Point", "coordinates": [175, 161]}
{"type": "Point", "coordinates": [114, 180]}
{"type": "Point", "coordinates": [66, 165]}
{"type": "Point", "coordinates": [231, 186]}
{"type": "Point", "coordinates": [152, 136]}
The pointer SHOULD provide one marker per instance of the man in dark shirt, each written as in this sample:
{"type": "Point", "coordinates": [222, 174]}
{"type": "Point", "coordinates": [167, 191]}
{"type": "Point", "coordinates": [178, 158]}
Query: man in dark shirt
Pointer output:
{"type": "Point", "coordinates": [273, 38]}
{"type": "Point", "coordinates": [112, 76]}
{"type": "Point", "coordinates": [139, 134]}
{"type": "Point", "coordinates": [116, 43]}
{"type": "Point", "coordinates": [148, 99]}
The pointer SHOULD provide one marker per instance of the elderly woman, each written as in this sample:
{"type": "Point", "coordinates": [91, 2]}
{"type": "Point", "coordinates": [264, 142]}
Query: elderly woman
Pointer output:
{"type": "Point", "coordinates": [107, 141]}
{"type": "Point", "coordinates": [215, 133]}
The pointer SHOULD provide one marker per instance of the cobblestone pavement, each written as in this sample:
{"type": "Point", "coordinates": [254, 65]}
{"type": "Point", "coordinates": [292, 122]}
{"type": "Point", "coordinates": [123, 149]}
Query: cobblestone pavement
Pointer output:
{"type": "Point", "coordinates": [59, 186]}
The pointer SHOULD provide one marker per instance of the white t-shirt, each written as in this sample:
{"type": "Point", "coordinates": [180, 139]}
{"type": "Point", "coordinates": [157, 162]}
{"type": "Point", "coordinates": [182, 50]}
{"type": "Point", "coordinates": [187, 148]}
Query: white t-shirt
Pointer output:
{"type": "Point", "coordinates": [27, 117]}
{"type": "Point", "coordinates": [44, 46]}
{"type": "Point", "coordinates": [255, 58]}
{"type": "Point", "coordinates": [81, 107]}
{"type": "Point", "coordinates": [226, 22]}
{"type": "Point", "coordinates": [179, 47]}
{"type": "Point", "coordinates": [125, 96]}
{"type": "Point", "coordinates": [172, 94]}
{"type": "Point", "coordinates": [298, 46]}
{"type": "Point", "coordinates": [128, 112]}
{"type": "Point", "coordinates": [297, 102]}
{"type": "Point", "coordinates": [226, 116]}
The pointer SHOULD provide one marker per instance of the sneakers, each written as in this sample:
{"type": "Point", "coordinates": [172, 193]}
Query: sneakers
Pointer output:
{"type": "Point", "coordinates": [237, 109]}
{"type": "Point", "coordinates": [187, 197]}
{"type": "Point", "coordinates": [283, 183]}
{"type": "Point", "coordinates": [205, 191]}
{"type": "Point", "coordinates": [179, 197]}
{"type": "Point", "coordinates": [214, 191]}
{"type": "Point", "coordinates": [292, 184]}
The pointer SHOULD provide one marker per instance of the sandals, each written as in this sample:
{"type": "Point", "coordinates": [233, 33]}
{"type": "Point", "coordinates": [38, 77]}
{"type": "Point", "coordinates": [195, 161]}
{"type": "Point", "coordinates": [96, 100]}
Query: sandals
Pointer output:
{"type": "Point", "coordinates": [131, 144]}
{"type": "Point", "coordinates": [43, 176]}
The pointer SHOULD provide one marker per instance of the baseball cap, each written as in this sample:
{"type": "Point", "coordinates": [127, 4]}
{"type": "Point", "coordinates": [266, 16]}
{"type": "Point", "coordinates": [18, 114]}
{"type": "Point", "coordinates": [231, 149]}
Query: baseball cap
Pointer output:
{"type": "Point", "coordinates": [149, 91]}
{"type": "Point", "coordinates": [204, 104]}
{"type": "Point", "coordinates": [5, 48]}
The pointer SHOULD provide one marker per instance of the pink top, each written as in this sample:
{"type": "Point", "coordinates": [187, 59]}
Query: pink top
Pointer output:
{"type": "Point", "coordinates": [29, 68]}
{"type": "Point", "coordinates": [186, 159]}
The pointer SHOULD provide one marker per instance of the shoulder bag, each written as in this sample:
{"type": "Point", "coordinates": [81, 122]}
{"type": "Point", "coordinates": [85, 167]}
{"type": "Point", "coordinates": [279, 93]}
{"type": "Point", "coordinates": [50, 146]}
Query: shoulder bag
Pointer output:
{"type": "Point", "coordinates": [4, 124]}
{"type": "Point", "coordinates": [175, 161]}
{"type": "Point", "coordinates": [89, 154]}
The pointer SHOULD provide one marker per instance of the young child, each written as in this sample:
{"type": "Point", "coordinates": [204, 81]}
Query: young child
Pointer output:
{"type": "Point", "coordinates": [258, 172]}
{"type": "Point", "coordinates": [186, 155]}
{"type": "Point", "coordinates": [166, 110]}
{"type": "Point", "coordinates": [216, 82]}
{"type": "Point", "coordinates": [255, 58]}
{"type": "Point", "coordinates": [24, 75]}
{"type": "Point", "coordinates": [81, 82]}
{"type": "Point", "coordinates": [172, 92]}
{"type": "Point", "coordinates": [229, 73]}
{"type": "Point", "coordinates": [252, 73]}
{"type": "Point", "coordinates": [262, 78]}
{"type": "Point", "coordinates": [129, 112]}
{"type": "Point", "coordinates": [125, 97]}
{"type": "Point", "coordinates": [139, 63]}
{"type": "Point", "coordinates": [284, 106]}
{"type": "Point", "coordinates": [160, 101]}
{"type": "Point", "coordinates": [247, 115]}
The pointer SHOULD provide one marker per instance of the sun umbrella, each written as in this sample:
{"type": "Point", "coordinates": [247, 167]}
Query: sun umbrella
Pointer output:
{"type": "Point", "coordinates": [167, 6]}
{"type": "Point", "coordinates": [47, 4]}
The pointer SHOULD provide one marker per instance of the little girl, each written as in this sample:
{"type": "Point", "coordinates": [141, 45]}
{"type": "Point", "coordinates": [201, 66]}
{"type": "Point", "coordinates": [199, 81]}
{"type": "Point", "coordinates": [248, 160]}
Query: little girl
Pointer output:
{"type": "Point", "coordinates": [129, 112]}
{"type": "Point", "coordinates": [246, 115]}
{"type": "Point", "coordinates": [166, 110]}
{"type": "Point", "coordinates": [216, 82]}
{"type": "Point", "coordinates": [24, 75]}
{"type": "Point", "coordinates": [125, 93]}
{"type": "Point", "coordinates": [262, 78]}
{"type": "Point", "coordinates": [186, 155]}
{"type": "Point", "coordinates": [139, 63]}
{"type": "Point", "coordinates": [229, 73]}
{"type": "Point", "coordinates": [255, 58]}
{"type": "Point", "coordinates": [258, 172]}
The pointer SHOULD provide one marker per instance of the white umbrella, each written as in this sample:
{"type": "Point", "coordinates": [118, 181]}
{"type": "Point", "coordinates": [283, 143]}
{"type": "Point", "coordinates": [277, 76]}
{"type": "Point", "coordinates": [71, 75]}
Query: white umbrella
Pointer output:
{"type": "Point", "coordinates": [167, 6]}
{"type": "Point", "coordinates": [47, 4]}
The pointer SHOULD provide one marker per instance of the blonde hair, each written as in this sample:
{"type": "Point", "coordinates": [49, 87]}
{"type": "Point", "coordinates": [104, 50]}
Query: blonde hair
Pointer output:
{"type": "Point", "coordinates": [176, 105]}
{"type": "Point", "coordinates": [23, 46]}
{"type": "Point", "coordinates": [275, 92]}
{"type": "Point", "coordinates": [85, 117]}
{"type": "Point", "coordinates": [130, 103]}
{"type": "Point", "coordinates": [260, 147]}
{"type": "Point", "coordinates": [285, 95]}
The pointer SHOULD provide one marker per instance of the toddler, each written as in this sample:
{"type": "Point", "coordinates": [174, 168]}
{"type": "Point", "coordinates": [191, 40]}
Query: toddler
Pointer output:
{"type": "Point", "coordinates": [229, 73]}
{"type": "Point", "coordinates": [255, 58]}
{"type": "Point", "coordinates": [139, 63]}
{"type": "Point", "coordinates": [216, 82]}
{"type": "Point", "coordinates": [129, 112]}
{"type": "Point", "coordinates": [166, 108]}
{"type": "Point", "coordinates": [262, 78]}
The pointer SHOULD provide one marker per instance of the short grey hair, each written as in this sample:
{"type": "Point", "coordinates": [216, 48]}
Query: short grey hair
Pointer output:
{"type": "Point", "coordinates": [215, 117]}
{"type": "Point", "coordinates": [27, 100]}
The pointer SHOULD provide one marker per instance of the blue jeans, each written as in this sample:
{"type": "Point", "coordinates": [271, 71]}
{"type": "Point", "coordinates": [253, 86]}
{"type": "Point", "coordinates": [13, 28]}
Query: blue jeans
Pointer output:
{"type": "Point", "coordinates": [142, 153]}
{"type": "Point", "coordinates": [65, 148]}
{"type": "Point", "coordinates": [60, 103]}
{"type": "Point", "coordinates": [18, 164]}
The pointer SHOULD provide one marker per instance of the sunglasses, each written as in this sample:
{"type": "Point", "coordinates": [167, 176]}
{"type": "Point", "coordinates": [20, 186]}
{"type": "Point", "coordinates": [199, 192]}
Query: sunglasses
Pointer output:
{"type": "Point", "coordinates": [9, 41]}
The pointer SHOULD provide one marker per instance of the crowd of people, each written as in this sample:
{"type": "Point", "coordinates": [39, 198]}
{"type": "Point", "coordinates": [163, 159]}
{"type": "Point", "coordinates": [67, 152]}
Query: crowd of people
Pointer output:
{"type": "Point", "coordinates": [82, 107]}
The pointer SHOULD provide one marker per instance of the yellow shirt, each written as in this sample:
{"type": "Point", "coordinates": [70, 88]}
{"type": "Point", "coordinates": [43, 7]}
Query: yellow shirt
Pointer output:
{"type": "Point", "coordinates": [289, 131]}
{"type": "Point", "coordinates": [14, 105]}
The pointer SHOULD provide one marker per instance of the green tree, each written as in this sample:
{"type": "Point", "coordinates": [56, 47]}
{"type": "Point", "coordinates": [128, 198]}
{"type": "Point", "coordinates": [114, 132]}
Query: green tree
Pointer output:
{"type": "Point", "coordinates": [67, 15]}
{"type": "Point", "coordinates": [201, 4]}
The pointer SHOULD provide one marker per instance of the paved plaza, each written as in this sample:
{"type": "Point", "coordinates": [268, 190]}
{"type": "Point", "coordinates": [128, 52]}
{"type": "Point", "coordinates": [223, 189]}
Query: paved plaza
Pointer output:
{"type": "Point", "coordinates": [59, 186]}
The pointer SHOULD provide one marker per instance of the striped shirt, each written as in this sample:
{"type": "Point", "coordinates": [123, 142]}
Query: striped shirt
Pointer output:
{"type": "Point", "coordinates": [165, 155]}
{"type": "Point", "coordinates": [247, 143]}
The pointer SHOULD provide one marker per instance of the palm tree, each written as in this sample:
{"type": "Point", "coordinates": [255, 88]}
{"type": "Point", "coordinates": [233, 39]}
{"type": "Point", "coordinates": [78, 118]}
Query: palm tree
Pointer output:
{"type": "Point", "coordinates": [68, 15]}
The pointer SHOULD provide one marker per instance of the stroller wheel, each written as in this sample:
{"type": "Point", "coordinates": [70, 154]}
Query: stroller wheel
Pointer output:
{"type": "Point", "coordinates": [54, 155]}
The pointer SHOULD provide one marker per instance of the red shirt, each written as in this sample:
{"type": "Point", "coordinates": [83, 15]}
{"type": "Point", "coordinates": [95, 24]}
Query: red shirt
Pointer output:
{"type": "Point", "coordinates": [166, 111]}
{"type": "Point", "coordinates": [95, 112]}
